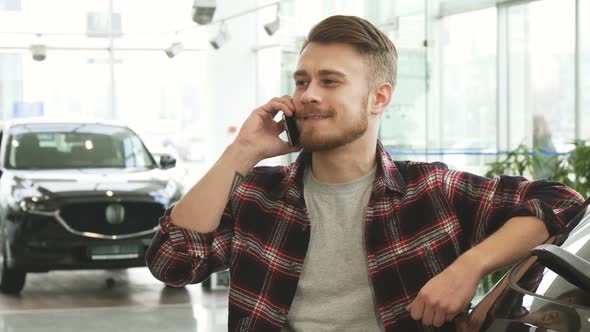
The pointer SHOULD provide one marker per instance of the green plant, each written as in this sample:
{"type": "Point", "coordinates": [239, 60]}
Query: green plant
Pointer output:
{"type": "Point", "coordinates": [579, 161]}
{"type": "Point", "coordinates": [571, 169]}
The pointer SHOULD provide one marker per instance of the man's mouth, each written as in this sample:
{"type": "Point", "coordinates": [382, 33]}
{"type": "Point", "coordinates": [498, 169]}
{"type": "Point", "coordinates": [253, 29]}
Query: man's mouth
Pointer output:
{"type": "Point", "coordinates": [315, 117]}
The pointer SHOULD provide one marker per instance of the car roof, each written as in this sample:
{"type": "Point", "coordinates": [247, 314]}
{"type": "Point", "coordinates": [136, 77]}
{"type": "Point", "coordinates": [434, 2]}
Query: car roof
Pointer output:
{"type": "Point", "coordinates": [40, 121]}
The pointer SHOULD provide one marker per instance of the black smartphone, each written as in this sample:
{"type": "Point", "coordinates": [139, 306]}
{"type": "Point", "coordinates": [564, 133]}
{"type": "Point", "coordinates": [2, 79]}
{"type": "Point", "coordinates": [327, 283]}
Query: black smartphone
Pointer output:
{"type": "Point", "coordinates": [292, 131]}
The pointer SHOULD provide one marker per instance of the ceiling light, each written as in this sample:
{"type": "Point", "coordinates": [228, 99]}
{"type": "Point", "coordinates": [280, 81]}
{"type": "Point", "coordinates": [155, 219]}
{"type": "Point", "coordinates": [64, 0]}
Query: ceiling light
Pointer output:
{"type": "Point", "coordinates": [221, 38]}
{"type": "Point", "coordinates": [203, 11]}
{"type": "Point", "coordinates": [174, 49]}
{"type": "Point", "coordinates": [272, 27]}
{"type": "Point", "coordinates": [39, 52]}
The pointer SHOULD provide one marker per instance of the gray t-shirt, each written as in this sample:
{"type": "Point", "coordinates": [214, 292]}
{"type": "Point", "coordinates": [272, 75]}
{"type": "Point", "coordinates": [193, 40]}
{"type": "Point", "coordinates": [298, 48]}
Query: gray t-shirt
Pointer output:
{"type": "Point", "coordinates": [335, 292]}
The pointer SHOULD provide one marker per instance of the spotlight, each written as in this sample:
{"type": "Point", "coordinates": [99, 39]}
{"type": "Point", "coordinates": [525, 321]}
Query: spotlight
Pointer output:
{"type": "Point", "coordinates": [174, 49]}
{"type": "Point", "coordinates": [39, 52]}
{"type": "Point", "coordinates": [272, 27]}
{"type": "Point", "coordinates": [221, 38]}
{"type": "Point", "coordinates": [203, 11]}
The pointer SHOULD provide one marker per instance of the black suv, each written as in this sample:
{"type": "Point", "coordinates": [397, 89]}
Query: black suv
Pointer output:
{"type": "Point", "coordinates": [77, 196]}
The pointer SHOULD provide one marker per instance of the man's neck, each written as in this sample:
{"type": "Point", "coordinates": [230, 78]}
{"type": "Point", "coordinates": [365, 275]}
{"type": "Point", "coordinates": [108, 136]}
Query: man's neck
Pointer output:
{"type": "Point", "coordinates": [346, 163]}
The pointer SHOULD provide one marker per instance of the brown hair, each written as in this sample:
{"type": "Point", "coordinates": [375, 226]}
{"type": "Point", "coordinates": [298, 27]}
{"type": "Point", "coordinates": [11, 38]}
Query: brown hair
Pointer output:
{"type": "Point", "coordinates": [376, 48]}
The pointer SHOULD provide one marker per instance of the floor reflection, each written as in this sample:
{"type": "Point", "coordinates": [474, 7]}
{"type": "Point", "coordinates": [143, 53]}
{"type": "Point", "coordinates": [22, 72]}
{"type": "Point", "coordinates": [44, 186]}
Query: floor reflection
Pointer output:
{"type": "Point", "coordinates": [125, 300]}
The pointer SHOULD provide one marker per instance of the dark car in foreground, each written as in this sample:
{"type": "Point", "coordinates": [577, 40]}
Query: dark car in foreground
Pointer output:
{"type": "Point", "coordinates": [547, 291]}
{"type": "Point", "coordinates": [77, 196]}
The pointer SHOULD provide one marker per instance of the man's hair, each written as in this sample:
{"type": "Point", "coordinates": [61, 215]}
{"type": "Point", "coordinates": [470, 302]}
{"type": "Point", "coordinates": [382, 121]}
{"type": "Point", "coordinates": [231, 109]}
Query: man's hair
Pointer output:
{"type": "Point", "coordinates": [374, 46]}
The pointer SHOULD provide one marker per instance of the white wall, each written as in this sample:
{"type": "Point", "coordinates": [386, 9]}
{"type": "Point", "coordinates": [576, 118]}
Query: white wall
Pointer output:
{"type": "Point", "coordinates": [241, 77]}
{"type": "Point", "coordinates": [231, 89]}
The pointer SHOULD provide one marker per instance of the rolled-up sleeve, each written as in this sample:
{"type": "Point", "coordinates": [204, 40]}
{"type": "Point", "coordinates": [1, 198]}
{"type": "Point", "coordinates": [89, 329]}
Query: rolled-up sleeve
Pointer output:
{"type": "Point", "coordinates": [178, 256]}
{"type": "Point", "coordinates": [483, 205]}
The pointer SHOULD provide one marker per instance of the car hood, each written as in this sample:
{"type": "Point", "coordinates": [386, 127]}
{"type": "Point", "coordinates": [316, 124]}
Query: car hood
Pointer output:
{"type": "Point", "coordinates": [94, 182]}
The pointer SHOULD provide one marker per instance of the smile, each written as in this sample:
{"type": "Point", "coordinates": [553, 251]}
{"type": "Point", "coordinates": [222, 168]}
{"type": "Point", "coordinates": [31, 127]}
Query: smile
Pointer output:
{"type": "Point", "coordinates": [315, 117]}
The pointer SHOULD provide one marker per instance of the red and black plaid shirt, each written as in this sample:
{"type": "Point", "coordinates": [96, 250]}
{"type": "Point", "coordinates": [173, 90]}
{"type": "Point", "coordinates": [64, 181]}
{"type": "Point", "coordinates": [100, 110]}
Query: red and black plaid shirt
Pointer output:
{"type": "Point", "coordinates": [420, 218]}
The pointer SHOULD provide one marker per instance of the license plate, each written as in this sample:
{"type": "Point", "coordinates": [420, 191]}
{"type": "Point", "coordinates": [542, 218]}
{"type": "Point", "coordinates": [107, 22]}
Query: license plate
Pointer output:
{"type": "Point", "coordinates": [114, 251]}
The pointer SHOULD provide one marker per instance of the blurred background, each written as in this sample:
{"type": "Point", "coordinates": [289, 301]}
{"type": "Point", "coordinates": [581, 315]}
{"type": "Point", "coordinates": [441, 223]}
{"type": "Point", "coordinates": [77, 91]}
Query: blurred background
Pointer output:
{"type": "Point", "coordinates": [479, 82]}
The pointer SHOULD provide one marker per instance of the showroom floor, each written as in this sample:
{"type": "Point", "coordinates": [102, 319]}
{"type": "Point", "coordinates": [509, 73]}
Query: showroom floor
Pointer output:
{"type": "Point", "coordinates": [90, 301]}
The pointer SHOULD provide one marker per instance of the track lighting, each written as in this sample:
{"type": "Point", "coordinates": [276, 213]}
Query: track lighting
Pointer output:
{"type": "Point", "coordinates": [221, 38]}
{"type": "Point", "coordinates": [39, 52]}
{"type": "Point", "coordinates": [272, 27]}
{"type": "Point", "coordinates": [203, 11]}
{"type": "Point", "coordinates": [174, 49]}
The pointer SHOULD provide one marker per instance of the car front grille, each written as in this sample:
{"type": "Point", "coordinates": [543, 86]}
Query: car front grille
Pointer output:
{"type": "Point", "coordinates": [92, 217]}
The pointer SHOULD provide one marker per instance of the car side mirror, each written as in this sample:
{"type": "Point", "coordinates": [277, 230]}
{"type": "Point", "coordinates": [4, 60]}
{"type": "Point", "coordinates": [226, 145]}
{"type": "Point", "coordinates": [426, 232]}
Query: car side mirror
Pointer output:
{"type": "Point", "coordinates": [572, 268]}
{"type": "Point", "coordinates": [167, 161]}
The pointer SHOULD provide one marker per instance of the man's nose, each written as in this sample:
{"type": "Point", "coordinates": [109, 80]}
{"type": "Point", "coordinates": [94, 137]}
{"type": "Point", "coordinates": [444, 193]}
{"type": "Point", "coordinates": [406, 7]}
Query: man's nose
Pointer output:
{"type": "Point", "coordinates": [311, 94]}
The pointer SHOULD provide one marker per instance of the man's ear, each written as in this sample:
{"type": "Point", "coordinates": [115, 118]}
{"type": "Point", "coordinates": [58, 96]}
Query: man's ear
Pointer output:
{"type": "Point", "coordinates": [381, 98]}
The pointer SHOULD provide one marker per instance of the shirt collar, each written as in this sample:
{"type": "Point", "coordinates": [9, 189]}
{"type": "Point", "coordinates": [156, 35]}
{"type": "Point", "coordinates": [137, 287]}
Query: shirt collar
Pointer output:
{"type": "Point", "coordinates": [388, 176]}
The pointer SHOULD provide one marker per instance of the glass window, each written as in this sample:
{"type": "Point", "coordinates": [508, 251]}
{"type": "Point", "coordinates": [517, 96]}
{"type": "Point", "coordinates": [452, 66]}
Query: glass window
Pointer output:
{"type": "Point", "coordinates": [65, 84]}
{"type": "Point", "coordinates": [403, 125]}
{"type": "Point", "coordinates": [468, 88]}
{"type": "Point", "coordinates": [585, 69]}
{"type": "Point", "coordinates": [541, 74]}
{"type": "Point", "coordinates": [10, 5]}
{"type": "Point", "coordinates": [151, 88]}
{"type": "Point", "coordinates": [75, 146]}
{"type": "Point", "coordinates": [11, 84]}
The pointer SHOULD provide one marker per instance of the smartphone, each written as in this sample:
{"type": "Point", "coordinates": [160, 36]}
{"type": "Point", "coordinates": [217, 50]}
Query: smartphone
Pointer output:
{"type": "Point", "coordinates": [292, 131]}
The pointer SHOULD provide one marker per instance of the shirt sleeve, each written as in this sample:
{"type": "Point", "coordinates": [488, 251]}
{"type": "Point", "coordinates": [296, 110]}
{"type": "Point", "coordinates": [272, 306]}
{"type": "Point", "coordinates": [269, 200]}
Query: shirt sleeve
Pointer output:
{"type": "Point", "coordinates": [483, 205]}
{"type": "Point", "coordinates": [178, 256]}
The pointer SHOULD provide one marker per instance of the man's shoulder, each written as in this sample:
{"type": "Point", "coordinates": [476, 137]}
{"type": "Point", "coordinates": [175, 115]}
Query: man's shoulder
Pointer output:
{"type": "Point", "coordinates": [270, 171]}
{"type": "Point", "coordinates": [267, 176]}
{"type": "Point", "coordinates": [409, 166]}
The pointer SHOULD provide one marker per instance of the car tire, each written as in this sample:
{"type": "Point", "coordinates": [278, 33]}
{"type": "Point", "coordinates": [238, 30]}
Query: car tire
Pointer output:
{"type": "Point", "coordinates": [206, 284]}
{"type": "Point", "coordinates": [11, 281]}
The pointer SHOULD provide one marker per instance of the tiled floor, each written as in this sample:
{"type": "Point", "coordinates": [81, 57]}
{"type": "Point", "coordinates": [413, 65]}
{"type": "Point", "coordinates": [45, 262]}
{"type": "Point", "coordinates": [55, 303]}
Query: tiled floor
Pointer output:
{"type": "Point", "coordinates": [90, 301]}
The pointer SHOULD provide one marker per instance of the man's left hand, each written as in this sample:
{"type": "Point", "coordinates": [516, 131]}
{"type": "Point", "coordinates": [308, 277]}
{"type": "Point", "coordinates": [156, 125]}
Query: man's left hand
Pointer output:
{"type": "Point", "coordinates": [446, 295]}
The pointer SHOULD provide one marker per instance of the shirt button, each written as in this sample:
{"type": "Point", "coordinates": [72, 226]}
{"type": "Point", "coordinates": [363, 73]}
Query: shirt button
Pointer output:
{"type": "Point", "coordinates": [303, 228]}
{"type": "Point", "coordinates": [293, 266]}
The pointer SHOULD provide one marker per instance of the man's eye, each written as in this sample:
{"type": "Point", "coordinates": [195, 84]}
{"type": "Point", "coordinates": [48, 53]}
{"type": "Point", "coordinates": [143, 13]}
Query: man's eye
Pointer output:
{"type": "Point", "coordinates": [330, 82]}
{"type": "Point", "coordinates": [300, 83]}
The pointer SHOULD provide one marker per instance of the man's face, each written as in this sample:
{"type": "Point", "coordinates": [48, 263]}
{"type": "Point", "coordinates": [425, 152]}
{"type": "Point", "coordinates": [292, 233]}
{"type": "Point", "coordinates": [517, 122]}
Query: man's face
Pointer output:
{"type": "Point", "coordinates": [331, 96]}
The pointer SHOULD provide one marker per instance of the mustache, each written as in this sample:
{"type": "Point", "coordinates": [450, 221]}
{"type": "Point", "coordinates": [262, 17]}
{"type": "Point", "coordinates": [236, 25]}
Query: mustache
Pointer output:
{"type": "Point", "coordinates": [311, 110]}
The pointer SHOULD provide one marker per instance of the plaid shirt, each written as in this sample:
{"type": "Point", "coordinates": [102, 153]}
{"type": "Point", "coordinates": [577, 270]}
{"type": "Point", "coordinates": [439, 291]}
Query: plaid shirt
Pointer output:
{"type": "Point", "coordinates": [420, 218]}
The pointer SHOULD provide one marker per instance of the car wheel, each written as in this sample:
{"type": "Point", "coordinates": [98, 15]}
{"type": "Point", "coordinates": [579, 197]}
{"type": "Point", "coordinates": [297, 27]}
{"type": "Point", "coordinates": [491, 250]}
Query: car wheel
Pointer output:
{"type": "Point", "coordinates": [206, 284]}
{"type": "Point", "coordinates": [11, 281]}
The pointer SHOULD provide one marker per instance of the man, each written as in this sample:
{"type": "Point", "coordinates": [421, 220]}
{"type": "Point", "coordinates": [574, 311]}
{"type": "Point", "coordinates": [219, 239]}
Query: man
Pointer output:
{"type": "Point", "coordinates": [344, 238]}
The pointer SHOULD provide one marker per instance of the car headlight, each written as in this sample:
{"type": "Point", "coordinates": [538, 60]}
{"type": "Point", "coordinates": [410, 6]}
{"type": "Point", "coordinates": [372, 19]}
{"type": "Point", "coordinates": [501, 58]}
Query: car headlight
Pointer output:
{"type": "Point", "coordinates": [35, 204]}
{"type": "Point", "coordinates": [171, 188]}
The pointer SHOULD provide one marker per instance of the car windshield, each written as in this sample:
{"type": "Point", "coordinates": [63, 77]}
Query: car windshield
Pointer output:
{"type": "Point", "coordinates": [67, 146]}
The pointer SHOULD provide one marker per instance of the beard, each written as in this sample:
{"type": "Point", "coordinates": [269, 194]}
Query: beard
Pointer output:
{"type": "Point", "coordinates": [314, 139]}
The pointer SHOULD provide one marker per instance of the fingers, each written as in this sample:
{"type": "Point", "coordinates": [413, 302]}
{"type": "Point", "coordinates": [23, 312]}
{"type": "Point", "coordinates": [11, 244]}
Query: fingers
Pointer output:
{"type": "Point", "coordinates": [284, 103]}
{"type": "Point", "coordinates": [430, 314]}
{"type": "Point", "coordinates": [439, 318]}
{"type": "Point", "coordinates": [416, 309]}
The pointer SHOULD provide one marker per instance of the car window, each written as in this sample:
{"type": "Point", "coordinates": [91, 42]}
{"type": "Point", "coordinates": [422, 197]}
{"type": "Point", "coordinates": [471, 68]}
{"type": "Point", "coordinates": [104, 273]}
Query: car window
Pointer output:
{"type": "Point", "coordinates": [77, 148]}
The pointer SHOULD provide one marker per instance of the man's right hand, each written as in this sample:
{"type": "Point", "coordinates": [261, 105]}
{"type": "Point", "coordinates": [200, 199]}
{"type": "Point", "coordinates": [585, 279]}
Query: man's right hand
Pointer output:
{"type": "Point", "coordinates": [259, 135]}
{"type": "Point", "coordinates": [201, 208]}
